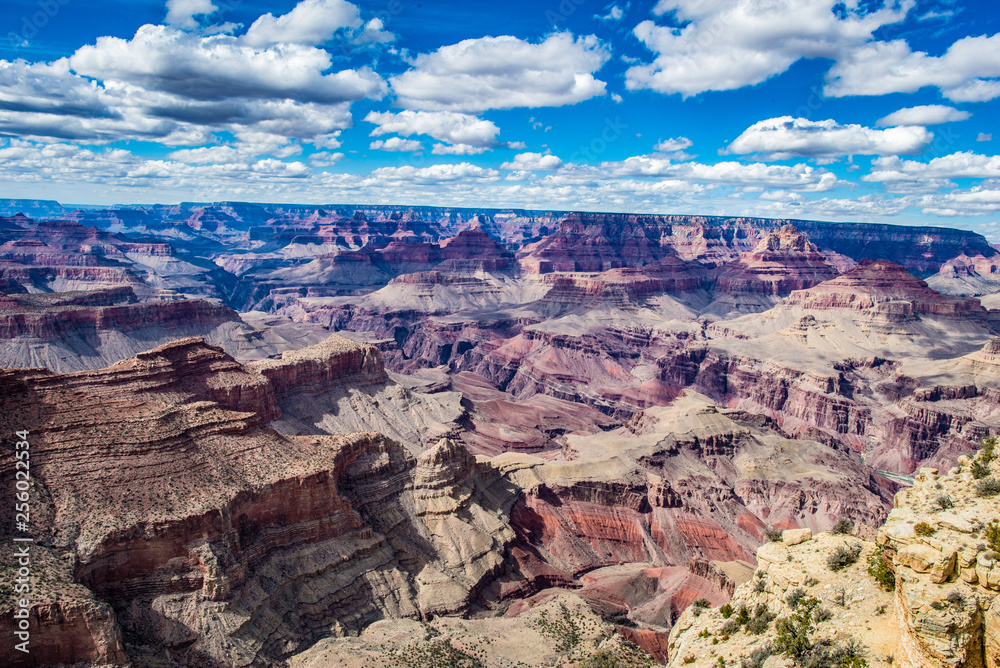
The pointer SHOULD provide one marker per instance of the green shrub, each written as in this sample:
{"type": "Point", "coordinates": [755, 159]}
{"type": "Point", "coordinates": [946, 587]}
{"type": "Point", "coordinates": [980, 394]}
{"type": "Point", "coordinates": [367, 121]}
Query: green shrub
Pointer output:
{"type": "Point", "coordinates": [923, 529]}
{"type": "Point", "coordinates": [879, 569]}
{"type": "Point", "coordinates": [988, 487]}
{"type": "Point", "coordinates": [625, 655]}
{"type": "Point", "coordinates": [794, 597]}
{"type": "Point", "coordinates": [943, 502]}
{"type": "Point", "coordinates": [759, 584]}
{"type": "Point", "coordinates": [726, 610]}
{"type": "Point", "coordinates": [758, 657]}
{"type": "Point", "coordinates": [987, 450]}
{"type": "Point", "coordinates": [760, 620]}
{"type": "Point", "coordinates": [992, 535]}
{"type": "Point", "coordinates": [792, 632]}
{"type": "Point", "coordinates": [843, 526]}
{"type": "Point", "coordinates": [979, 469]}
{"type": "Point", "coordinates": [773, 535]}
{"type": "Point", "coordinates": [843, 557]}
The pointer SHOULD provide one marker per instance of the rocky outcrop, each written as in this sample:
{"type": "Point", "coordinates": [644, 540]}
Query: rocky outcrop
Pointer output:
{"type": "Point", "coordinates": [934, 605]}
{"type": "Point", "coordinates": [783, 261]}
{"type": "Point", "coordinates": [222, 542]}
{"type": "Point", "coordinates": [335, 361]}
{"type": "Point", "coordinates": [887, 288]}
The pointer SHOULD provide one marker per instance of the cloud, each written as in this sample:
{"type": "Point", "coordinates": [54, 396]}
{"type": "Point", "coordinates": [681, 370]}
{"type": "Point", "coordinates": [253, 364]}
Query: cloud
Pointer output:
{"type": "Point", "coordinates": [615, 13]}
{"type": "Point", "coordinates": [980, 200]}
{"type": "Point", "coordinates": [503, 73]}
{"type": "Point", "coordinates": [929, 114]}
{"type": "Point", "coordinates": [954, 166]}
{"type": "Point", "coordinates": [541, 162]}
{"type": "Point", "coordinates": [181, 13]}
{"type": "Point", "coordinates": [458, 149]}
{"type": "Point", "coordinates": [671, 145]}
{"type": "Point", "coordinates": [396, 144]}
{"type": "Point", "coordinates": [786, 137]}
{"type": "Point", "coordinates": [983, 136]}
{"type": "Point", "coordinates": [729, 44]}
{"type": "Point", "coordinates": [446, 126]}
{"type": "Point", "coordinates": [756, 175]}
{"type": "Point", "coordinates": [218, 67]}
{"type": "Point", "coordinates": [312, 23]}
{"type": "Point", "coordinates": [460, 172]}
{"type": "Point", "coordinates": [967, 72]}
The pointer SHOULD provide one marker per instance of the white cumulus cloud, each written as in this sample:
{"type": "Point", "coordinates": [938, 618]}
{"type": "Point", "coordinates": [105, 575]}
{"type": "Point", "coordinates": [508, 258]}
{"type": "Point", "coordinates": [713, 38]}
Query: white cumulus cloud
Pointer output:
{"type": "Point", "coordinates": [540, 162]}
{"type": "Point", "coordinates": [311, 22]}
{"type": "Point", "coordinates": [729, 44]}
{"type": "Point", "coordinates": [446, 126]}
{"type": "Point", "coordinates": [928, 114]}
{"type": "Point", "coordinates": [786, 137]}
{"type": "Point", "coordinates": [503, 73]}
{"type": "Point", "coordinates": [182, 13]}
{"type": "Point", "coordinates": [673, 144]}
{"type": "Point", "coordinates": [969, 71]}
{"type": "Point", "coordinates": [395, 144]}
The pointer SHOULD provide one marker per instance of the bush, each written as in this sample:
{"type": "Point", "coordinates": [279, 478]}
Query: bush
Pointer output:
{"type": "Point", "coordinates": [943, 502]}
{"type": "Point", "coordinates": [701, 603]}
{"type": "Point", "coordinates": [988, 487]}
{"type": "Point", "coordinates": [843, 526]}
{"type": "Point", "coordinates": [758, 657]}
{"type": "Point", "coordinates": [879, 569]}
{"type": "Point", "coordinates": [987, 450]}
{"type": "Point", "coordinates": [843, 557]}
{"type": "Point", "coordinates": [761, 619]}
{"type": "Point", "coordinates": [726, 610]}
{"type": "Point", "coordinates": [731, 627]}
{"type": "Point", "coordinates": [979, 469]}
{"type": "Point", "coordinates": [992, 535]}
{"type": "Point", "coordinates": [566, 629]}
{"type": "Point", "coordinates": [923, 529]}
{"type": "Point", "coordinates": [792, 632]}
{"type": "Point", "coordinates": [759, 584]}
{"type": "Point", "coordinates": [821, 615]}
{"type": "Point", "coordinates": [794, 597]}
{"type": "Point", "coordinates": [773, 535]}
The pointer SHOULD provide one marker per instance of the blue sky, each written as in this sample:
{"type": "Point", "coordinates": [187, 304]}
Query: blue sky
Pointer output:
{"type": "Point", "coordinates": [784, 108]}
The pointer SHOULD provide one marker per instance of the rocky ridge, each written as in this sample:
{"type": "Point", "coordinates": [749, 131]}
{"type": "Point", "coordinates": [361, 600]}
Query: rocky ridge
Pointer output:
{"type": "Point", "coordinates": [924, 593]}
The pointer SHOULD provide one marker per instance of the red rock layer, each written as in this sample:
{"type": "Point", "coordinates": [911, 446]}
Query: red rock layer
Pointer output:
{"type": "Point", "coordinates": [88, 315]}
{"type": "Point", "coordinates": [783, 261]}
{"type": "Point", "coordinates": [884, 285]}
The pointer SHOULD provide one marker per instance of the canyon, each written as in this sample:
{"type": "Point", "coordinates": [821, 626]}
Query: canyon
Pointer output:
{"type": "Point", "coordinates": [269, 435]}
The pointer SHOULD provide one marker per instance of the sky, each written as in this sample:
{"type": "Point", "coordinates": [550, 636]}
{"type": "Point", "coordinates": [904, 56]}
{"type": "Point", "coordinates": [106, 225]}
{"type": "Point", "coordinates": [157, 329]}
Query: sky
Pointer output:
{"type": "Point", "coordinates": [815, 109]}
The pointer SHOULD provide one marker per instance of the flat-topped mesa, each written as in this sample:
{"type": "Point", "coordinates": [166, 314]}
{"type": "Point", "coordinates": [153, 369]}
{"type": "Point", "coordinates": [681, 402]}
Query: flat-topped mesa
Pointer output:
{"type": "Point", "coordinates": [626, 285]}
{"type": "Point", "coordinates": [783, 261]}
{"type": "Point", "coordinates": [474, 249]}
{"type": "Point", "coordinates": [322, 366]}
{"type": "Point", "coordinates": [884, 286]}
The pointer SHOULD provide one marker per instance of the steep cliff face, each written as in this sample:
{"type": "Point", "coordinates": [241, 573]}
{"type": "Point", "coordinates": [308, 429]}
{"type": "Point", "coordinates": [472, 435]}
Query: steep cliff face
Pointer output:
{"type": "Point", "coordinates": [217, 539]}
{"type": "Point", "coordinates": [783, 261]}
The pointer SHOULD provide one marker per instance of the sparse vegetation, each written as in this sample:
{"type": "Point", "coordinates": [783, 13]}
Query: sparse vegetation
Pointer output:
{"type": "Point", "coordinates": [843, 526]}
{"type": "Point", "coordinates": [794, 642]}
{"type": "Point", "coordinates": [758, 657]}
{"type": "Point", "coordinates": [794, 597]}
{"type": "Point", "coordinates": [923, 529]}
{"type": "Point", "coordinates": [979, 469]}
{"type": "Point", "coordinates": [625, 655]}
{"type": "Point", "coordinates": [988, 487]}
{"type": "Point", "coordinates": [992, 535]}
{"type": "Point", "coordinates": [773, 535]}
{"type": "Point", "coordinates": [698, 605]}
{"type": "Point", "coordinates": [843, 557]}
{"type": "Point", "coordinates": [726, 610]}
{"type": "Point", "coordinates": [566, 629]}
{"type": "Point", "coordinates": [434, 654]}
{"type": "Point", "coordinates": [943, 502]}
{"type": "Point", "coordinates": [879, 569]}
